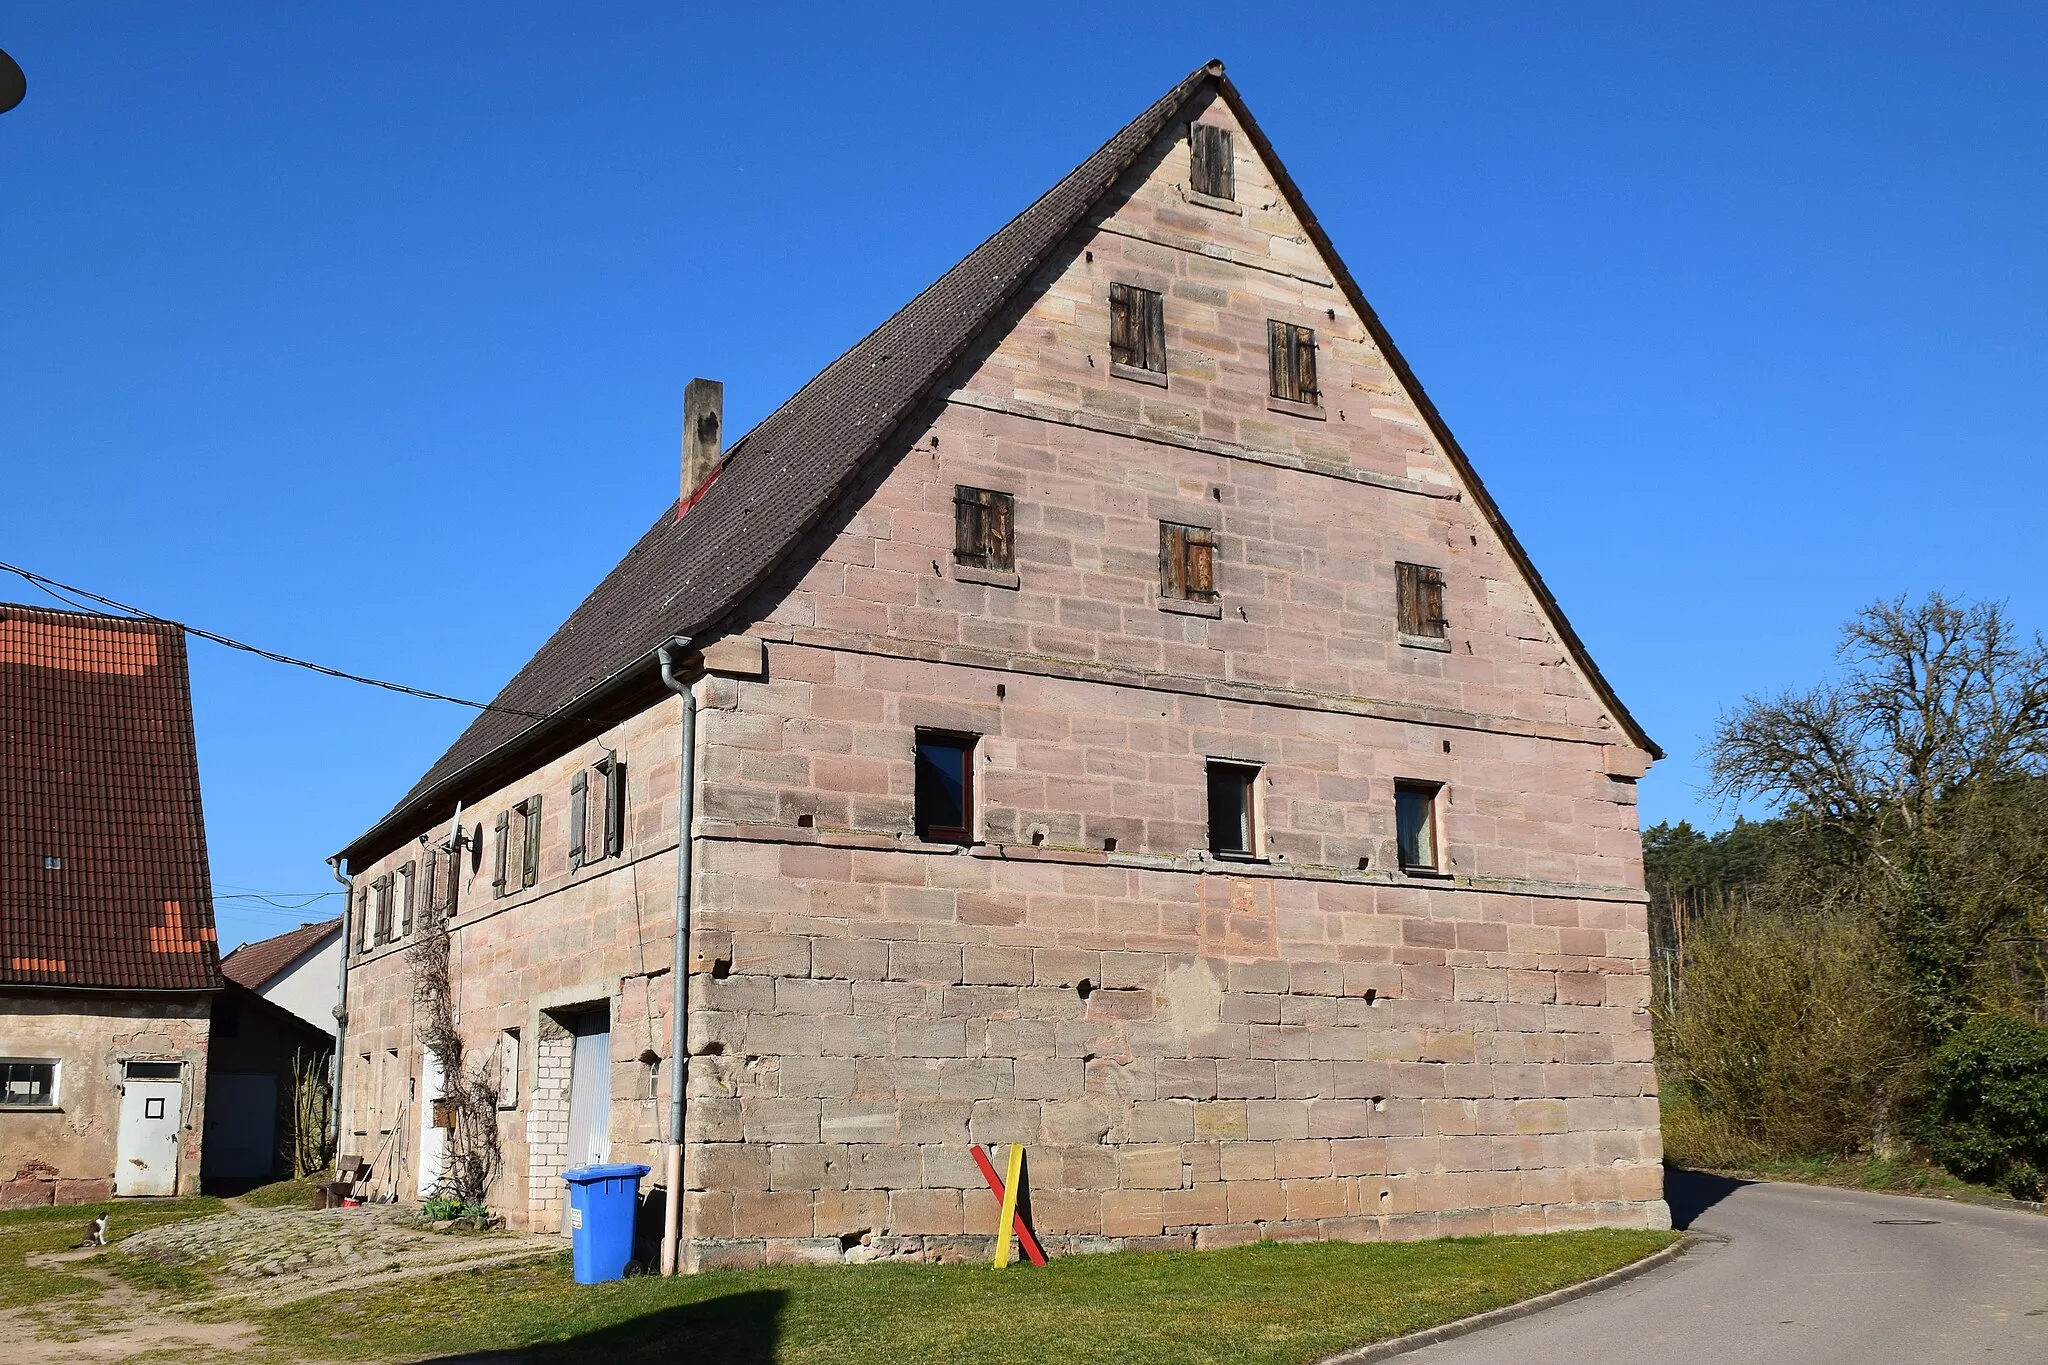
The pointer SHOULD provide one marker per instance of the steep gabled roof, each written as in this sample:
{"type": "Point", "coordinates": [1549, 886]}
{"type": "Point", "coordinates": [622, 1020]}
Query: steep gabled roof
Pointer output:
{"type": "Point", "coordinates": [688, 574]}
{"type": "Point", "coordinates": [257, 964]}
{"type": "Point", "coordinates": [103, 877]}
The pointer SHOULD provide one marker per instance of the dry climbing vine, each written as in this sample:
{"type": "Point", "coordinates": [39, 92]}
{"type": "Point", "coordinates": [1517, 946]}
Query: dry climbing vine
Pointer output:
{"type": "Point", "coordinates": [469, 1095]}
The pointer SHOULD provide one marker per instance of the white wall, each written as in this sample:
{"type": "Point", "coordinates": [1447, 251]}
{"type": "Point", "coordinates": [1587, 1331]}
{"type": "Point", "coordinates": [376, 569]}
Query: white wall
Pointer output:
{"type": "Point", "coordinates": [311, 987]}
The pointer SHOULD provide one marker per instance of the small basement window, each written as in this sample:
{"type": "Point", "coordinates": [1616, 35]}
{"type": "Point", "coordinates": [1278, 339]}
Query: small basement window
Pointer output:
{"type": "Point", "coordinates": [1419, 601]}
{"type": "Point", "coordinates": [945, 787]}
{"type": "Point", "coordinates": [27, 1084]}
{"type": "Point", "coordinates": [1213, 169]}
{"type": "Point", "coordinates": [982, 528]}
{"type": "Point", "coordinates": [1419, 845]}
{"type": "Point", "coordinates": [1137, 329]}
{"type": "Point", "coordinates": [1187, 562]}
{"type": "Point", "coordinates": [1291, 360]}
{"type": "Point", "coordinates": [1233, 816]}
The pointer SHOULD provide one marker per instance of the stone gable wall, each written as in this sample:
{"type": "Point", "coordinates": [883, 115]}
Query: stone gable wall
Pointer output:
{"type": "Point", "coordinates": [1194, 1051]}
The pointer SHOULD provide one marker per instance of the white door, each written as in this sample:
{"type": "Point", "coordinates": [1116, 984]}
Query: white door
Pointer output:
{"type": "Point", "coordinates": [433, 1138]}
{"type": "Point", "coordinates": [590, 1093]}
{"type": "Point", "coordinates": [146, 1147]}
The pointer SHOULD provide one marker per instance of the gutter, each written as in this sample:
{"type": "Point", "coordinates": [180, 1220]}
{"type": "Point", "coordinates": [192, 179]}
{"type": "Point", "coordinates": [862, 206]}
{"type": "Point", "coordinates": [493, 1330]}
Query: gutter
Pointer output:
{"type": "Point", "coordinates": [348, 905]}
{"type": "Point", "coordinates": [679, 1006]}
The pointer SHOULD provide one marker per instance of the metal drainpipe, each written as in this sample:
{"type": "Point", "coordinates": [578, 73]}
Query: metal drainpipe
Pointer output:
{"type": "Point", "coordinates": [348, 905]}
{"type": "Point", "coordinates": [679, 1008]}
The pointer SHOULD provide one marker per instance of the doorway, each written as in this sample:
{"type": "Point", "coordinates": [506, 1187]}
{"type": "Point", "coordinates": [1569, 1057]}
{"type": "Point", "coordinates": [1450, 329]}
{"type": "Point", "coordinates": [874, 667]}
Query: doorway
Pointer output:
{"type": "Point", "coordinates": [590, 1088]}
{"type": "Point", "coordinates": [241, 1125]}
{"type": "Point", "coordinates": [146, 1144]}
{"type": "Point", "coordinates": [434, 1123]}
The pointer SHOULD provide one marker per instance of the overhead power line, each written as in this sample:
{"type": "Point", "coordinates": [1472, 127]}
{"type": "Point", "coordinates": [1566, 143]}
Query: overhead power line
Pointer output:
{"type": "Point", "coordinates": [58, 591]}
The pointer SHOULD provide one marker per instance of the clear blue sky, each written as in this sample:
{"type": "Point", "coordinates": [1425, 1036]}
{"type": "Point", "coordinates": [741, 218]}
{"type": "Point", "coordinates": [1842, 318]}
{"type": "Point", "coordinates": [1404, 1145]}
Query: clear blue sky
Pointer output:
{"type": "Point", "coordinates": [360, 331]}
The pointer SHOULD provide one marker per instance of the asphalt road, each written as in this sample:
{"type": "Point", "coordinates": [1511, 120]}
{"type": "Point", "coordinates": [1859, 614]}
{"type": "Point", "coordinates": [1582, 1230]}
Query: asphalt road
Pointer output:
{"type": "Point", "coordinates": [1805, 1277]}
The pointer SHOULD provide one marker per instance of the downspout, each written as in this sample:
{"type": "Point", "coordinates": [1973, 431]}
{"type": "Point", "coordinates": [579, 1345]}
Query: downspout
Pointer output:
{"type": "Point", "coordinates": [679, 1007]}
{"type": "Point", "coordinates": [348, 905]}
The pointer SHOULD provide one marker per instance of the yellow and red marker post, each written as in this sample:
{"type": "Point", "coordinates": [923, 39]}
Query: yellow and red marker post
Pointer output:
{"type": "Point", "coordinates": [1010, 1219]}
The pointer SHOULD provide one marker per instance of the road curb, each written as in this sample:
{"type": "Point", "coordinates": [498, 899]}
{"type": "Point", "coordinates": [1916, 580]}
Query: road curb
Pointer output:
{"type": "Point", "coordinates": [1479, 1322]}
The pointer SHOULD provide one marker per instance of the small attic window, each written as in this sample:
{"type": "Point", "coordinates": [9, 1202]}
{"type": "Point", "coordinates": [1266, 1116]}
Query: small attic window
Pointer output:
{"type": "Point", "coordinates": [983, 537]}
{"type": "Point", "coordinates": [1213, 171]}
{"type": "Point", "coordinates": [1419, 601]}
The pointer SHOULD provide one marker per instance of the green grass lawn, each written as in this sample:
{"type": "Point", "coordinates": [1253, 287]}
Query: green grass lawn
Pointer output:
{"type": "Point", "coordinates": [1257, 1305]}
{"type": "Point", "coordinates": [23, 1231]}
{"type": "Point", "coordinates": [284, 1194]}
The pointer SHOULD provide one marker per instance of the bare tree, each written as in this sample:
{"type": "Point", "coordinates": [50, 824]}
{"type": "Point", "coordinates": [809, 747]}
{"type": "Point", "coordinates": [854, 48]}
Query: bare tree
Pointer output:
{"type": "Point", "coordinates": [1926, 760]}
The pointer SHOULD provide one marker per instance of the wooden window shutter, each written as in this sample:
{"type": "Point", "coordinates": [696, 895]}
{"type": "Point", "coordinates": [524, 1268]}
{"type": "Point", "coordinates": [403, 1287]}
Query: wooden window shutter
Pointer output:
{"type": "Point", "coordinates": [966, 526]}
{"type": "Point", "coordinates": [579, 814]}
{"type": "Point", "coordinates": [615, 808]}
{"type": "Point", "coordinates": [363, 920]}
{"type": "Point", "coordinates": [1126, 347]}
{"type": "Point", "coordinates": [1201, 565]}
{"type": "Point", "coordinates": [431, 885]}
{"type": "Point", "coordinates": [1291, 362]}
{"type": "Point", "coordinates": [1212, 171]}
{"type": "Point", "coordinates": [1305, 390]}
{"type": "Point", "coordinates": [1419, 601]}
{"type": "Point", "coordinates": [1002, 552]}
{"type": "Point", "coordinates": [1173, 558]}
{"type": "Point", "coordinates": [529, 862]}
{"type": "Point", "coordinates": [409, 878]}
{"type": "Point", "coordinates": [983, 523]}
{"type": "Point", "coordinates": [1430, 585]}
{"type": "Point", "coordinates": [382, 886]}
{"type": "Point", "coordinates": [498, 852]}
{"type": "Point", "coordinates": [1152, 326]}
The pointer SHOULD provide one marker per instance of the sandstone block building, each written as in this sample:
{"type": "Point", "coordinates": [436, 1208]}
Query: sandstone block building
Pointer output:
{"type": "Point", "coordinates": [1124, 725]}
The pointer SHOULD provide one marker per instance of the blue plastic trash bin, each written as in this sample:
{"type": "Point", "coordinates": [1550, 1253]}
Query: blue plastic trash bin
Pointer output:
{"type": "Point", "coordinates": [602, 1202]}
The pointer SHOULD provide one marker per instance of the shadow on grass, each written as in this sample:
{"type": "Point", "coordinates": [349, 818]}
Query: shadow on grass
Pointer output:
{"type": "Point", "coordinates": [733, 1329]}
{"type": "Point", "coordinates": [1692, 1193]}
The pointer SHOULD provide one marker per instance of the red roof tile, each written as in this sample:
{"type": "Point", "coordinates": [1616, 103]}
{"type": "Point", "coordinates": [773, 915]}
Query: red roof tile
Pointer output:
{"type": "Point", "coordinates": [103, 876]}
{"type": "Point", "coordinates": [256, 964]}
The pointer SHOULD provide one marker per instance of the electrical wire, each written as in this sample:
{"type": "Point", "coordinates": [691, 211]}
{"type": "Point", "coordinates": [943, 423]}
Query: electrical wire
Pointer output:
{"type": "Point", "coordinates": [58, 591]}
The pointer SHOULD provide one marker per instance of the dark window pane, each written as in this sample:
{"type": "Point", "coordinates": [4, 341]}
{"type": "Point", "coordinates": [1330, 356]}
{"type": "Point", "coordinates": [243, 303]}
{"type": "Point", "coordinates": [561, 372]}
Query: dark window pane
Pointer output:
{"type": "Point", "coordinates": [1415, 822]}
{"type": "Point", "coordinates": [945, 787]}
{"type": "Point", "coordinates": [28, 1085]}
{"type": "Point", "coordinates": [1230, 808]}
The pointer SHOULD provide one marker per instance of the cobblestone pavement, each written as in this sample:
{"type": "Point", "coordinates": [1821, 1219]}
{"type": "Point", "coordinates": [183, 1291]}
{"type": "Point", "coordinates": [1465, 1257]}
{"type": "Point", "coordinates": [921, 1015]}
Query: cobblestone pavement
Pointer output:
{"type": "Point", "coordinates": [288, 1251]}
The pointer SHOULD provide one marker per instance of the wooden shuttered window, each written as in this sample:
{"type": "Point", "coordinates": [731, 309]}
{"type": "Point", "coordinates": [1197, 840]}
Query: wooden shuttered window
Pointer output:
{"type": "Point", "coordinates": [363, 920]}
{"type": "Point", "coordinates": [1187, 562]}
{"type": "Point", "coordinates": [382, 888]}
{"type": "Point", "coordinates": [1419, 601]}
{"type": "Point", "coordinates": [499, 852]}
{"type": "Point", "coordinates": [1291, 360]}
{"type": "Point", "coordinates": [982, 528]}
{"type": "Point", "coordinates": [529, 844]}
{"type": "Point", "coordinates": [579, 815]}
{"type": "Point", "coordinates": [1137, 328]}
{"type": "Point", "coordinates": [408, 887]}
{"type": "Point", "coordinates": [1213, 171]}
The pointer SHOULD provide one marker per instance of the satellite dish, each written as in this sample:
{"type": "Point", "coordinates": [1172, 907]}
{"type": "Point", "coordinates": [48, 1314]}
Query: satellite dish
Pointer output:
{"type": "Point", "coordinates": [13, 85]}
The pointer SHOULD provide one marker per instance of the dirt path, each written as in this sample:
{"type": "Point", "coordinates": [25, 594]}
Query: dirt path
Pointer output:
{"type": "Point", "coordinates": [242, 1260]}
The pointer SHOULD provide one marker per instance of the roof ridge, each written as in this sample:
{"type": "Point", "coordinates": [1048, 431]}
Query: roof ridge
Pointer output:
{"type": "Point", "coordinates": [784, 473]}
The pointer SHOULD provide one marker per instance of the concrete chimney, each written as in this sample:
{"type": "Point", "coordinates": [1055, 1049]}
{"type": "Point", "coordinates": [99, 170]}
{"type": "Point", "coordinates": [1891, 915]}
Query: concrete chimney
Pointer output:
{"type": "Point", "coordinates": [703, 436]}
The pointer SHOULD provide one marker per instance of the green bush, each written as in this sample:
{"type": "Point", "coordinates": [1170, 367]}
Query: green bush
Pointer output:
{"type": "Point", "coordinates": [1987, 1114]}
{"type": "Point", "coordinates": [1786, 1037]}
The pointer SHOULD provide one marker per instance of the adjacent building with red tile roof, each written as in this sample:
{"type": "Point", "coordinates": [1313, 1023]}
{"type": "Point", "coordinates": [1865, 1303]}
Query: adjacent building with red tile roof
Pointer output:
{"type": "Point", "coordinates": [108, 963]}
{"type": "Point", "coordinates": [299, 970]}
